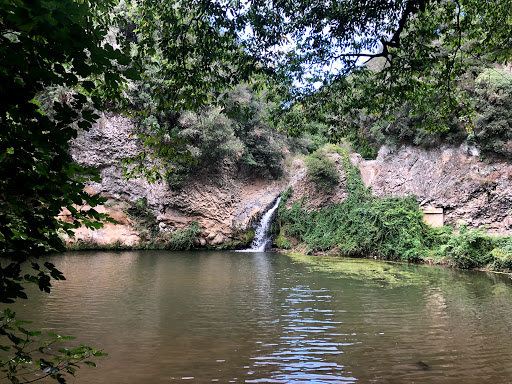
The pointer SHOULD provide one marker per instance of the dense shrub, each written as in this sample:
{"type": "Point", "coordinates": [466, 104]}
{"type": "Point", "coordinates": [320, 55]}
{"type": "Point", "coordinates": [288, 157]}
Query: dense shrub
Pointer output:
{"type": "Point", "coordinates": [184, 141]}
{"type": "Point", "coordinates": [209, 135]}
{"type": "Point", "coordinates": [282, 242]}
{"type": "Point", "coordinates": [363, 225]}
{"type": "Point", "coordinates": [390, 228]}
{"type": "Point", "coordinates": [263, 144]}
{"type": "Point", "coordinates": [263, 153]}
{"type": "Point", "coordinates": [502, 254]}
{"type": "Point", "coordinates": [492, 81]}
{"type": "Point", "coordinates": [322, 171]}
{"type": "Point", "coordinates": [139, 211]}
{"type": "Point", "coordinates": [315, 136]}
{"type": "Point", "coordinates": [492, 130]}
{"type": "Point", "coordinates": [468, 249]}
{"type": "Point", "coordinates": [182, 239]}
{"type": "Point", "coordinates": [488, 92]}
{"type": "Point", "coordinates": [501, 260]}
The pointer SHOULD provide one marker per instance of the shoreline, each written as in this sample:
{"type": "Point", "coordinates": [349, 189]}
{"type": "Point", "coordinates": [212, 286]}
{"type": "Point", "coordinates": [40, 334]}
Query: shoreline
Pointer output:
{"type": "Point", "coordinates": [90, 247]}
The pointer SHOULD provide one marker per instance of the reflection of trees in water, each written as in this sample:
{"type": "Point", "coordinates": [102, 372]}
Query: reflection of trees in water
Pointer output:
{"type": "Point", "coordinates": [226, 315]}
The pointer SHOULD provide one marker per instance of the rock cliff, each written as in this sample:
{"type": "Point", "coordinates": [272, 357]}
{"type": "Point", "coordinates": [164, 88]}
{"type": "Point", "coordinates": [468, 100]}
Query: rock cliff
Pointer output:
{"type": "Point", "coordinates": [316, 197]}
{"type": "Point", "coordinates": [220, 201]}
{"type": "Point", "coordinates": [467, 187]}
{"type": "Point", "coordinates": [456, 179]}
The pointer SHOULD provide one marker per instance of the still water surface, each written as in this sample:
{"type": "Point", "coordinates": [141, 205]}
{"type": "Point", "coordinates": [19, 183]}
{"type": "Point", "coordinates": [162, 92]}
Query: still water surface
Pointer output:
{"type": "Point", "coordinates": [169, 317]}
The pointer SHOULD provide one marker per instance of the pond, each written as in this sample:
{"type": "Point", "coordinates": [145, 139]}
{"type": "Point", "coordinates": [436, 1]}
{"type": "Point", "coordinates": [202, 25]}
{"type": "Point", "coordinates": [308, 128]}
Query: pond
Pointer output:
{"type": "Point", "coordinates": [201, 317]}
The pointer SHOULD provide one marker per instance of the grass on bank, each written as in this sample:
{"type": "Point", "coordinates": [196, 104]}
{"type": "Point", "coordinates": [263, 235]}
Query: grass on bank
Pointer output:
{"type": "Point", "coordinates": [386, 228]}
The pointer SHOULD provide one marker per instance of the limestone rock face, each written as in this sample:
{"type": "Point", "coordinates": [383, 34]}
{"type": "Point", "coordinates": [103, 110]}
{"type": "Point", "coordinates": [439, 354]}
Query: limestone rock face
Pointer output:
{"type": "Point", "coordinates": [477, 192]}
{"type": "Point", "coordinates": [218, 201]}
{"type": "Point", "coordinates": [122, 232]}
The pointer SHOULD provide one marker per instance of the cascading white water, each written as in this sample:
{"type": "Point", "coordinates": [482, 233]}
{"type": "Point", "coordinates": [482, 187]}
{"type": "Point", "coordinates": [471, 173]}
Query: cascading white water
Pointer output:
{"type": "Point", "coordinates": [261, 237]}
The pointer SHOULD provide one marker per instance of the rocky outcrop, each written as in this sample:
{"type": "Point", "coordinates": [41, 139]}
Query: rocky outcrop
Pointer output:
{"type": "Point", "coordinates": [123, 232]}
{"type": "Point", "coordinates": [470, 189]}
{"type": "Point", "coordinates": [219, 200]}
{"type": "Point", "coordinates": [316, 198]}
{"type": "Point", "coordinates": [224, 200]}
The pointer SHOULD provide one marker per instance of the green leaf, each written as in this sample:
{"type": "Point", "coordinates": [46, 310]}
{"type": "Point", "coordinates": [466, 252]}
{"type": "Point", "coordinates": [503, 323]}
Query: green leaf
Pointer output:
{"type": "Point", "coordinates": [132, 74]}
{"type": "Point", "coordinates": [124, 60]}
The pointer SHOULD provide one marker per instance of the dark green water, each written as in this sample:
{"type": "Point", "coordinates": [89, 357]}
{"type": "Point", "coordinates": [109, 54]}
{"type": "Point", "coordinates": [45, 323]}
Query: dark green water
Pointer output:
{"type": "Point", "coordinates": [168, 317]}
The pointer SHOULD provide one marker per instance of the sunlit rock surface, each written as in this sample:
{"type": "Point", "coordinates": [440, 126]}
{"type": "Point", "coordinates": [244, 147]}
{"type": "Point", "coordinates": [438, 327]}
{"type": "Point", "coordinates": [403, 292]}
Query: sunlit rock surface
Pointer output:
{"type": "Point", "coordinates": [469, 188]}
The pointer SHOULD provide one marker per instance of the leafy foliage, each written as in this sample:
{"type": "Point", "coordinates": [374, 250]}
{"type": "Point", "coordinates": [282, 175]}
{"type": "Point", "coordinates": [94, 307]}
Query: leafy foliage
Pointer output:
{"type": "Point", "coordinates": [183, 239]}
{"type": "Point", "coordinates": [204, 138]}
{"type": "Point", "coordinates": [48, 47]}
{"type": "Point", "coordinates": [414, 52]}
{"type": "Point", "coordinates": [210, 136]}
{"type": "Point", "coordinates": [502, 255]}
{"type": "Point", "coordinates": [389, 228]}
{"type": "Point", "coordinates": [139, 211]}
{"type": "Point", "coordinates": [469, 249]}
{"type": "Point", "coordinates": [39, 180]}
{"type": "Point", "coordinates": [492, 130]}
{"type": "Point", "coordinates": [35, 358]}
{"type": "Point", "coordinates": [263, 143]}
{"type": "Point", "coordinates": [322, 171]}
{"type": "Point", "coordinates": [282, 242]}
{"type": "Point", "coordinates": [143, 218]}
{"type": "Point", "coordinates": [193, 47]}
{"type": "Point", "coordinates": [242, 238]}
{"type": "Point", "coordinates": [489, 127]}
{"type": "Point", "coordinates": [418, 55]}
{"type": "Point", "coordinates": [363, 225]}
{"type": "Point", "coordinates": [191, 55]}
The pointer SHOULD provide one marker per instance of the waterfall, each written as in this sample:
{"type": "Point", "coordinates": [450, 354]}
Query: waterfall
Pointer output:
{"type": "Point", "coordinates": [261, 237]}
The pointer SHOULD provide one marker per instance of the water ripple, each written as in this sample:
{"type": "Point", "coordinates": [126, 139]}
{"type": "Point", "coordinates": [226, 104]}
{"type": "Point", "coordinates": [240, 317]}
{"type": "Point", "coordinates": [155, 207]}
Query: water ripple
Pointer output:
{"type": "Point", "coordinates": [168, 317]}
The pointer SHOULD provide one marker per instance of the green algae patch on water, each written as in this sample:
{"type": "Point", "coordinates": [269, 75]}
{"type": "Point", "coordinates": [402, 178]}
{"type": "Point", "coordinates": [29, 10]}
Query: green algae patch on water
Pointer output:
{"type": "Point", "coordinates": [388, 274]}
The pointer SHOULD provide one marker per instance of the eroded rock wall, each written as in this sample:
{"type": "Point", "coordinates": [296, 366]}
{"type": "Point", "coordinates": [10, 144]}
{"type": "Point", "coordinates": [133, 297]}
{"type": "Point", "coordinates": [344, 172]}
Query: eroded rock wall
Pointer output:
{"type": "Point", "coordinates": [316, 198]}
{"type": "Point", "coordinates": [469, 189]}
{"type": "Point", "coordinates": [217, 200]}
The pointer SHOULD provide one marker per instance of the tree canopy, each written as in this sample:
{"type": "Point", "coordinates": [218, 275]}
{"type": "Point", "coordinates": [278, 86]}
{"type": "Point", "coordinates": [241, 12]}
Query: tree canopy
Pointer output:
{"type": "Point", "coordinates": [344, 57]}
{"type": "Point", "coordinates": [47, 46]}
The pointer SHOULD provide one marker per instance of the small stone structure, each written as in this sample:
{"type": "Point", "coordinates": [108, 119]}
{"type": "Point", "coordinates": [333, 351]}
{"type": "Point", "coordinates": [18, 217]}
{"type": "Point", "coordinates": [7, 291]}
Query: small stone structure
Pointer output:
{"type": "Point", "coordinates": [433, 216]}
